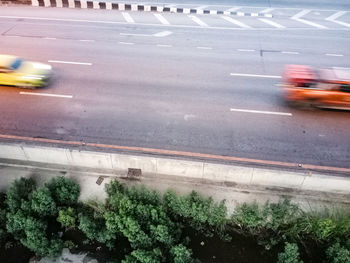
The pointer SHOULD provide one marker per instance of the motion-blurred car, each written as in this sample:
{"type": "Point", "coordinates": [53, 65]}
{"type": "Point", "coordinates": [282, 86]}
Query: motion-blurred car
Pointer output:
{"type": "Point", "coordinates": [18, 72]}
{"type": "Point", "coordinates": [327, 88]}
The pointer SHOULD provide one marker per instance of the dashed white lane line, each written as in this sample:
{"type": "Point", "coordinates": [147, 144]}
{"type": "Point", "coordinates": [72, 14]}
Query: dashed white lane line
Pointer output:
{"type": "Point", "coordinates": [263, 112]}
{"type": "Point", "coordinates": [267, 10]}
{"type": "Point", "coordinates": [198, 21]}
{"type": "Point", "coordinates": [128, 18]}
{"type": "Point", "coordinates": [245, 50]}
{"type": "Point", "coordinates": [162, 19]}
{"type": "Point", "coordinates": [297, 17]}
{"type": "Point", "coordinates": [233, 9]}
{"type": "Point", "coordinates": [162, 45]}
{"type": "Point", "coordinates": [271, 23]}
{"type": "Point", "coordinates": [126, 43]}
{"type": "Point", "coordinates": [204, 47]}
{"type": "Point", "coordinates": [87, 40]}
{"type": "Point", "coordinates": [290, 52]}
{"type": "Point", "coordinates": [234, 21]}
{"type": "Point", "coordinates": [255, 76]}
{"type": "Point", "coordinates": [334, 55]}
{"type": "Point", "coordinates": [49, 38]}
{"type": "Point", "coordinates": [46, 95]}
{"type": "Point", "coordinates": [70, 62]}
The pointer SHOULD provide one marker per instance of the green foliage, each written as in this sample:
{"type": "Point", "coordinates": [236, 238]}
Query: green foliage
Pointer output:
{"type": "Point", "coordinates": [67, 217]}
{"type": "Point", "coordinates": [19, 193]}
{"type": "Point", "coordinates": [338, 254]}
{"type": "Point", "coordinates": [181, 254]}
{"type": "Point", "coordinates": [64, 191]}
{"type": "Point", "coordinates": [42, 203]}
{"type": "Point", "coordinates": [200, 213]}
{"type": "Point", "coordinates": [3, 211]}
{"type": "Point", "coordinates": [290, 254]}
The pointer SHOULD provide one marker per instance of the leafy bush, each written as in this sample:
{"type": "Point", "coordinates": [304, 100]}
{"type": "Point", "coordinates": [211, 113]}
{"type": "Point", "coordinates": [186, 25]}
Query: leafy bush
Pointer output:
{"type": "Point", "coordinates": [338, 254]}
{"type": "Point", "coordinates": [67, 217]}
{"type": "Point", "coordinates": [19, 193]}
{"type": "Point", "coordinates": [64, 191]}
{"type": "Point", "coordinates": [42, 202]}
{"type": "Point", "coordinates": [290, 254]}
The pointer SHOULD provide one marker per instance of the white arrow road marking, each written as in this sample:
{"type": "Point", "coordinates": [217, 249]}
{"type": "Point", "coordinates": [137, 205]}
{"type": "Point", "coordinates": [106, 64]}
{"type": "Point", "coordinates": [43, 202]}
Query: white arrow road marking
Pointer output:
{"type": "Point", "coordinates": [128, 18]}
{"type": "Point", "coordinates": [162, 19]}
{"type": "Point", "coordinates": [271, 23]}
{"type": "Point", "coordinates": [70, 62]}
{"type": "Point", "coordinates": [333, 18]}
{"type": "Point", "coordinates": [198, 21]}
{"type": "Point", "coordinates": [234, 21]}
{"type": "Point", "coordinates": [302, 13]}
{"type": "Point", "coordinates": [263, 112]}
{"type": "Point", "coordinates": [46, 95]}
{"type": "Point", "coordinates": [163, 34]}
{"type": "Point", "coordinates": [255, 76]}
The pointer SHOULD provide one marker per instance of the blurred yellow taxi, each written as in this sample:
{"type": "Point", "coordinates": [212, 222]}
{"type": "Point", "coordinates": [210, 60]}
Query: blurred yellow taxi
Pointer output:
{"type": "Point", "coordinates": [15, 71]}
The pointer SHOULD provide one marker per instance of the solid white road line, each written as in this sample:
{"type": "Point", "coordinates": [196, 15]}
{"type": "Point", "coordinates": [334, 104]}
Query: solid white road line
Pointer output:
{"type": "Point", "coordinates": [271, 23]}
{"type": "Point", "coordinates": [336, 15]}
{"type": "Point", "coordinates": [126, 43]}
{"type": "Point", "coordinates": [128, 18]}
{"type": "Point", "coordinates": [297, 16]}
{"type": "Point", "coordinates": [49, 38]}
{"type": "Point", "coordinates": [263, 112]}
{"type": "Point", "coordinates": [290, 52]}
{"type": "Point", "coordinates": [70, 62]}
{"type": "Point", "coordinates": [245, 50]}
{"type": "Point", "coordinates": [46, 95]}
{"type": "Point", "coordinates": [198, 21]}
{"type": "Point", "coordinates": [255, 76]}
{"type": "Point", "coordinates": [162, 45]}
{"type": "Point", "coordinates": [234, 21]}
{"type": "Point", "coordinates": [267, 10]}
{"type": "Point", "coordinates": [334, 55]}
{"type": "Point", "coordinates": [204, 47]}
{"type": "Point", "coordinates": [87, 40]}
{"type": "Point", "coordinates": [162, 19]}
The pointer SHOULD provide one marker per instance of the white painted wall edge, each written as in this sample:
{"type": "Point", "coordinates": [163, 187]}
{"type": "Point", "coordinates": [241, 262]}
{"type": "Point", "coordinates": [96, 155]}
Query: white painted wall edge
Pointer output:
{"type": "Point", "coordinates": [165, 166]}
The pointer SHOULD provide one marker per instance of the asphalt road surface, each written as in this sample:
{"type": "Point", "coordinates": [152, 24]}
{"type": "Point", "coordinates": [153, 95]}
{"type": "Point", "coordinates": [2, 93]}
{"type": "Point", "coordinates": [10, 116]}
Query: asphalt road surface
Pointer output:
{"type": "Point", "coordinates": [203, 83]}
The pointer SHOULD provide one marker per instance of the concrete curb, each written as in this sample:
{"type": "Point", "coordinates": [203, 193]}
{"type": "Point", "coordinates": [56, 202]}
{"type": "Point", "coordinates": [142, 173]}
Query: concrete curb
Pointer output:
{"type": "Point", "coordinates": [124, 164]}
{"type": "Point", "coordinates": [84, 4]}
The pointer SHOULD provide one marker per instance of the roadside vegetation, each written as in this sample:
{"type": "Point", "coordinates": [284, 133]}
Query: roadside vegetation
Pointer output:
{"type": "Point", "coordinates": [136, 224]}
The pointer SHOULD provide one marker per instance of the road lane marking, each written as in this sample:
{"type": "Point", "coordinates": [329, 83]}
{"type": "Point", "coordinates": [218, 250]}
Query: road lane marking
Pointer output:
{"type": "Point", "coordinates": [336, 15]}
{"type": "Point", "coordinates": [297, 17]}
{"type": "Point", "coordinates": [126, 43]}
{"type": "Point", "coordinates": [255, 76]}
{"type": "Point", "coordinates": [70, 62]}
{"type": "Point", "coordinates": [198, 21]}
{"type": "Point", "coordinates": [87, 40]}
{"type": "Point", "coordinates": [263, 112]}
{"type": "Point", "coordinates": [162, 45]}
{"type": "Point", "coordinates": [128, 18]}
{"type": "Point", "coordinates": [234, 21]}
{"type": "Point", "coordinates": [245, 50]}
{"type": "Point", "coordinates": [46, 95]}
{"type": "Point", "coordinates": [334, 55]}
{"type": "Point", "coordinates": [204, 47]}
{"type": "Point", "coordinates": [49, 38]}
{"type": "Point", "coordinates": [267, 10]}
{"type": "Point", "coordinates": [290, 52]}
{"type": "Point", "coordinates": [162, 19]}
{"type": "Point", "coordinates": [271, 23]}
{"type": "Point", "coordinates": [162, 34]}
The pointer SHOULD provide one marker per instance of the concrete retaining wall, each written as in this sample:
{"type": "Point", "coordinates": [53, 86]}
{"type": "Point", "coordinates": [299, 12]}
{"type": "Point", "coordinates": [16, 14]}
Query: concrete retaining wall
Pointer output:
{"type": "Point", "coordinates": [120, 163]}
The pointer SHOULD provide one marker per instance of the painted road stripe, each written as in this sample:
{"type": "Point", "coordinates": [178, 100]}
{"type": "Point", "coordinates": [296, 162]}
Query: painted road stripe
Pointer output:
{"type": "Point", "coordinates": [204, 47]}
{"type": "Point", "coordinates": [336, 15]}
{"type": "Point", "coordinates": [334, 55]}
{"type": "Point", "coordinates": [162, 45]}
{"type": "Point", "coordinates": [126, 43]}
{"type": "Point", "coordinates": [49, 38]}
{"type": "Point", "coordinates": [245, 50]}
{"type": "Point", "coordinates": [290, 52]}
{"type": "Point", "coordinates": [263, 112]}
{"type": "Point", "coordinates": [162, 19]}
{"type": "Point", "coordinates": [174, 153]}
{"type": "Point", "coordinates": [46, 95]}
{"type": "Point", "coordinates": [198, 21]}
{"type": "Point", "coordinates": [301, 13]}
{"type": "Point", "coordinates": [267, 10]}
{"type": "Point", "coordinates": [341, 23]}
{"type": "Point", "coordinates": [128, 18]}
{"type": "Point", "coordinates": [255, 76]}
{"type": "Point", "coordinates": [271, 23]}
{"type": "Point", "coordinates": [70, 62]}
{"type": "Point", "coordinates": [234, 21]}
{"type": "Point", "coordinates": [297, 17]}
{"type": "Point", "coordinates": [87, 40]}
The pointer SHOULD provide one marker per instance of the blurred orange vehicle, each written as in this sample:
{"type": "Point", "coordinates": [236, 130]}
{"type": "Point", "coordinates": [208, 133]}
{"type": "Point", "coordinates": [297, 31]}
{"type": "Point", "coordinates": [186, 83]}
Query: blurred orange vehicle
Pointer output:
{"type": "Point", "coordinates": [327, 88]}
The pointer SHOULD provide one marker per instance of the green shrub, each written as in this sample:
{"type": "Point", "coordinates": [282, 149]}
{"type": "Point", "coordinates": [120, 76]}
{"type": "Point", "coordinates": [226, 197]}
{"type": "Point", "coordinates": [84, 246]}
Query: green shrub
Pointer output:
{"type": "Point", "coordinates": [181, 254]}
{"type": "Point", "coordinates": [67, 217]}
{"type": "Point", "coordinates": [19, 193]}
{"type": "Point", "coordinates": [42, 203]}
{"type": "Point", "coordinates": [290, 254]}
{"type": "Point", "coordinates": [64, 191]}
{"type": "Point", "coordinates": [338, 254]}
